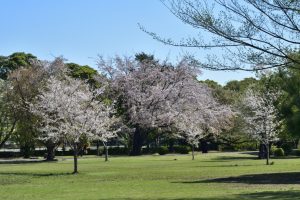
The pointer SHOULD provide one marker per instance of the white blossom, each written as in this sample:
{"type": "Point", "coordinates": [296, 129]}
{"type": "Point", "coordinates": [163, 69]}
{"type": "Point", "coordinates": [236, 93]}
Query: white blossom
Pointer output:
{"type": "Point", "coordinates": [200, 113]}
{"type": "Point", "coordinates": [160, 95]}
{"type": "Point", "coordinates": [69, 110]}
{"type": "Point", "coordinates": [262, 115]}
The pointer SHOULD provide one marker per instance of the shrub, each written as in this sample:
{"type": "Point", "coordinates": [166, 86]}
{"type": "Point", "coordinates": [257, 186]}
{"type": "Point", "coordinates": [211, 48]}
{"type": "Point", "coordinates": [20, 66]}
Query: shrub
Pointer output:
{"type": "Point", "coordinates": [162, 150]}
{"type": "Point", "coordinates": [182, 149]}
{"type": "Point", "coordinates": [64, 153]}
{"type": "Point", "coordinates": [287, 147]}
{"type": "Point", "coordinates": [272, 149]}
{"type": "Point", "coordinates": [150, 150]}
{"type": "Point", "coordinates": [297, 152]}
{"type": "Point", "coordinates": [113, 151]}
{"type": "Point", "coordinates": [279, 152]}
{"type": "Point", "coordinates": [9, 154]}
{"type": "Point", "coordinates": [118, 151]}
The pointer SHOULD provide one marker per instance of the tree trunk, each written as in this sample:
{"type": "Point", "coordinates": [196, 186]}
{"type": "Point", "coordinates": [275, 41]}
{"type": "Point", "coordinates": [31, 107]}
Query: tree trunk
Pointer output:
{"type": "Point", "coordinates": [98, 153]}
{"type": "Point", "coordinates": [157, 142]}
{"type": "Point", "coordinates": [171, 145]}
{"type": "Point", "coordinates": [267, 153]}
{"type": "Point", "coordinates": [106, 152]}
{"type": "Point", "coordinates": [137, 142]}
{"type": "Point", "coordinates": [63, 149]}
{"type": "Point", "coordinates": [262, 151]}
{"type": "Point", "coordinates": [8, 134]}
{"type": "Point", "coordinates": [193, 152]}
{"type": "Point", "coordinates": [75, 159]}
{"type": "Point", "coordinates": [296, 143]}
{"type": "Point", "coordinates": [50, 151]}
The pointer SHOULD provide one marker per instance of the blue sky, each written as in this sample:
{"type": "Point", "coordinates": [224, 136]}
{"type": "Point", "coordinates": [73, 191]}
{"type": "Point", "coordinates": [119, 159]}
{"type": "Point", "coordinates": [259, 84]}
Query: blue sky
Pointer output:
{"type": "Point", "coordinates": [79, 30]}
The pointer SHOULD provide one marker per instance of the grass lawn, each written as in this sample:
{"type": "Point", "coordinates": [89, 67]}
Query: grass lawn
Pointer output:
{"type": "Point", "coordinates": [214, 176]}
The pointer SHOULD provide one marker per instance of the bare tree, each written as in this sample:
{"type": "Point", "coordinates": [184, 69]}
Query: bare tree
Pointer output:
{"type": "Point", "coordinates": [251, 34]}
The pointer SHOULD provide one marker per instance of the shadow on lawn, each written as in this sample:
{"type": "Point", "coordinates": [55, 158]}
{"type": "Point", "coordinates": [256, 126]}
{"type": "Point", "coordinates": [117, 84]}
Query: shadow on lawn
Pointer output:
{"type": "Point", "coordinates": [281, 195]}
{"type": "Point", "coordinates": [226, 166]}
{"type": "Point", "coordinates": [35, 174]}
{"type": "Point", "coordinates": [21, 161]}
{"type": "Point", "coordinates": [274, 178]}
{"type": "Point", "coordinates": [252, 155]}
{"type": "Point", "coordinates": [228, 158]}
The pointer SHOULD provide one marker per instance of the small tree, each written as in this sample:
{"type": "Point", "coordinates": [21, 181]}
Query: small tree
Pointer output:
{"type": "Point", "coordinates": [103, 125]}
{"type": "Point", "coordinates": [261, 117]}
{"type": "Point", "coordinates": [67, 108]}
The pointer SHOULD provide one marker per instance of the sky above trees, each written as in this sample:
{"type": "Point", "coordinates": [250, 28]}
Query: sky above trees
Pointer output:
{"type": "Point", "coordinates": [80, 30]}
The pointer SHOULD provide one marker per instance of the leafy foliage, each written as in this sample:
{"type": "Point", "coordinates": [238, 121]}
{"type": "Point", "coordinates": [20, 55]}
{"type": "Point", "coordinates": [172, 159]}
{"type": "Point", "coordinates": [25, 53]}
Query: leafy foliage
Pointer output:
{"type": "Point", "coordinates": [279, 152]}
{"type": "Point", "coordinates": [83, 72]}
{"type": "Point", "coordinates": [13, 62]}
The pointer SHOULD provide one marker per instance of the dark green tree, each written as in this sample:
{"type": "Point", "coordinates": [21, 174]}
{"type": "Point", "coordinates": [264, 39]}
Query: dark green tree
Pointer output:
{"type": "Point", "coordinates": [240, 86]}
{"type": "Point", "coordinates": [13, 62]}
{"type": "Point", "coordinates": [288, 81]}
{"type": "Point", "coordinates": [230, 94]}
{"type": "Point", "coordinates": [8, 113]}
{"type": "Point", "coordinates": [83, 72]}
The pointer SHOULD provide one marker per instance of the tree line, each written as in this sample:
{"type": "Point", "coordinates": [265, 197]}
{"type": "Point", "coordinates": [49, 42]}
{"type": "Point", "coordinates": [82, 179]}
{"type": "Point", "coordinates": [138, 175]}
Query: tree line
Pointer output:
{"type": "Point", "coordinates": [140, 101]}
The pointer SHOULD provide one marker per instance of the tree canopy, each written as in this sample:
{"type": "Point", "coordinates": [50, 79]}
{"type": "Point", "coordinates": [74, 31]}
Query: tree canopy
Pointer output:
{"type": "Point", "coordinates": [14, 61]}
{"type": "Point", "coordinates": [83, 72]}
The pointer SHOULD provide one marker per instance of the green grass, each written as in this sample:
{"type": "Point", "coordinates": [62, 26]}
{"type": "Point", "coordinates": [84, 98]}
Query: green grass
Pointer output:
{"type": "Point", "coordinates": [214, 176]}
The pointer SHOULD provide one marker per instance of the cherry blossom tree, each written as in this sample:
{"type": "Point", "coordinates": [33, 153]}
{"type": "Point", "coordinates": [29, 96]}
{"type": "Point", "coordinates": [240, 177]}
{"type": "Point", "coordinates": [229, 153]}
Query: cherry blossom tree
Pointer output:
{"type": "Point", "coordinates": [69, 110]}
{"type": "Point", "coordinates": [103, 125]}
{"type": "Point", "coordinates": [147, 92]}
{"type": "Point", "coordinates": [163, 96]}
{"type": "Point", "coordinates": [200, 114]}
{"type": "Point", "coordinates": [261, 116]}
{"type": "Point", "coordinates": [25, 84]}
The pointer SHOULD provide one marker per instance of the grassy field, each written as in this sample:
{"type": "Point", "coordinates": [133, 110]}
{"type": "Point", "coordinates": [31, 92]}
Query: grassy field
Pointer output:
{"type": "Point", "coordinates": [214, 176]}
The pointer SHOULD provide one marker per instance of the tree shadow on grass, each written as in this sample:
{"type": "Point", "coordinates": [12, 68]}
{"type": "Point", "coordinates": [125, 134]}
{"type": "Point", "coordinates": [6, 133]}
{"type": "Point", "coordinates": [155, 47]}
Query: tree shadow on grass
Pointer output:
{"type": "Point", "coordinates": [253, 153]}
{"type": "Point", "coordinates": [21, 161]}
{"type": "Point", "coordinates": [226, 166]}
{"type": "Point", "coordinates": [228, 158]}
{"type": "Point", "coordinates": [240, 158]}
{"type": "Point", "coordinates": [274, 178]}
{"type": "Point", "coordinates": [268, 195]}
{"type": "Point", "coordinates": [285, 157]}
{"type": "Point", "coordinates": [35, 174]}
{"type": "Point", "coordinates": [275, 195]}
